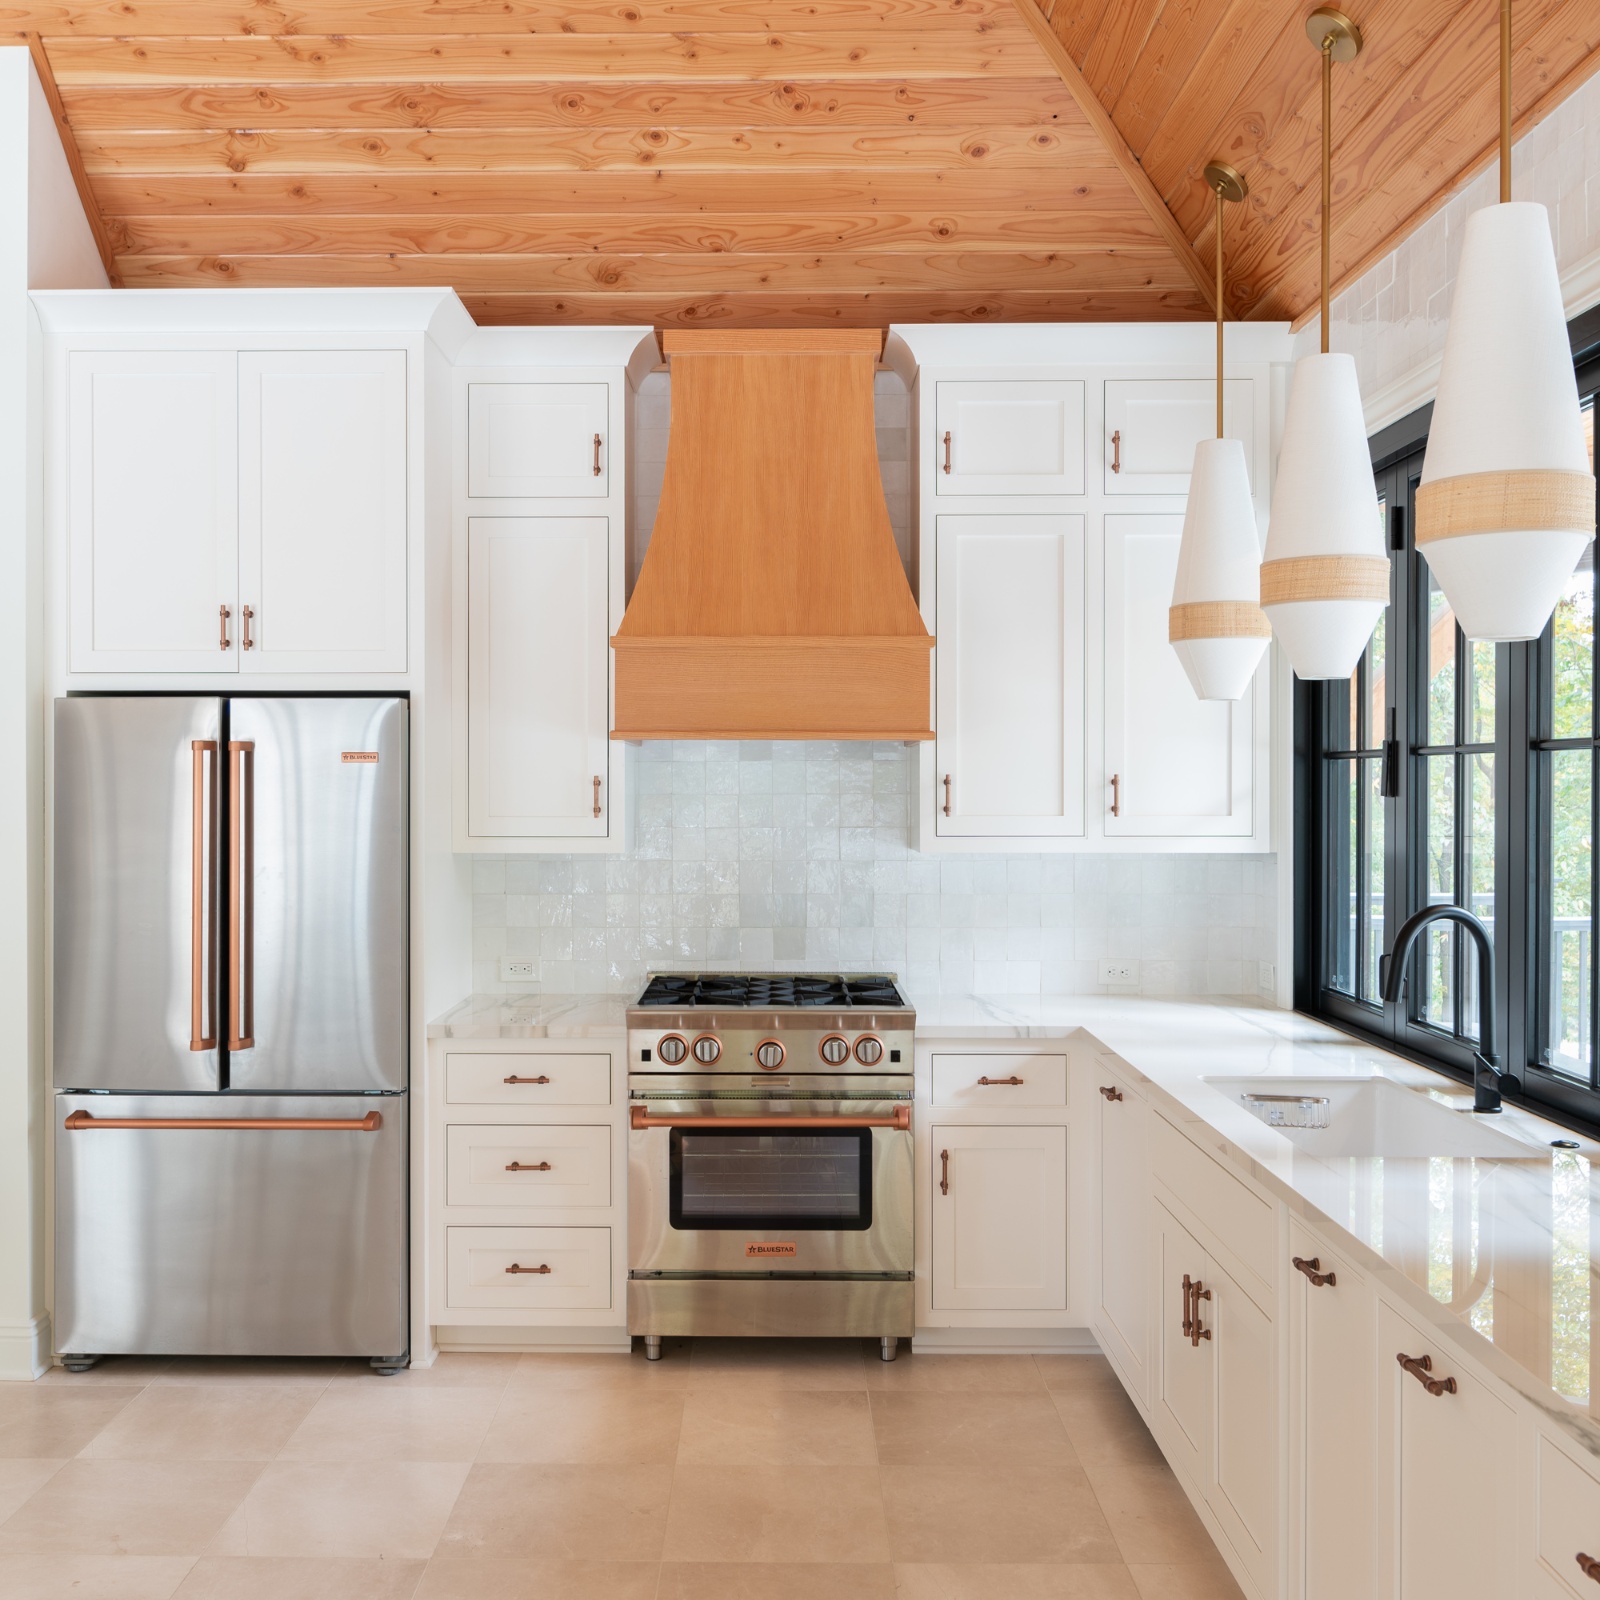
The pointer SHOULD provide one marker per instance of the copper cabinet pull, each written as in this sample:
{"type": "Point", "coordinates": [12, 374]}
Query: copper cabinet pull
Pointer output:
{"type": "Point", "coordinates": [1419, 1367]}
{"type": "Point", "coordinates": [597, 455]}
{"type": "Point", "coordinates": [947, 794]}
{"type": "Point", "coordinates": [535, 1270]}
{"type": "Point", "coordinates": [944, 1172]}
{"type": "Point", "coordinates": [223, 641]}
{"type": "Point", "coordinates": [1313, 1270]}
{"type": "Point", "coordinates": [1116, 794]}
{"type": "Point", "coordinates": [639, 1118]}
{"type": "Point", "coordinates": [515, 1079]}
{"type": "Point", "coordinates": [1109, 1092]}
{"type": "Point", "coordinates": [203, 897]}
{"type": "Point", "coordinates": [241, 893]}
{"type": "Point", "coordinates": [1116, 451]}
{"type": "Point", "coordinates": [1588, 1566]}
{"type": "Point", "coordinates": [1188, 1313]}
{"type": "Point", "coordinates": [947, 454]}
{"type": "Point", "coordinates": [1193, 1294]}
{"type": "Point", "coordinates": [246, 640]}
{"type": "Point", "coordinates": [597, 797]}
{"type": "Point", "coordinates": [524, 1166]}
{"type": "Point", "coordinates": [995, 1083]}
{"type": "Point", "coordinates": [79, 1121]}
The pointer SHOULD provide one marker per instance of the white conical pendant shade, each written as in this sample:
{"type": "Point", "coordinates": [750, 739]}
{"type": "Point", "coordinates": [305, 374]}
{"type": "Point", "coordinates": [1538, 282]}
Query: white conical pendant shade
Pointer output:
{"type": "Point", "coordinates": [1325, 578]}
{"type": "Point", "coordinates": [1215, 625]}
{"type": "Point", "coordinates": [1506, 504]}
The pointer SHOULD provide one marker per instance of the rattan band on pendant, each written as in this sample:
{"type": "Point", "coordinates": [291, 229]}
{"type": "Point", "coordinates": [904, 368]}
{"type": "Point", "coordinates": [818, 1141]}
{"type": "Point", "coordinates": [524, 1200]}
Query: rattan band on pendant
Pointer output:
{"type": "Point", "coordinates": [1539, 500]}
{"type": "Point", "coordinates": [1324, 578]}
{"type": "Point", "coordinates": [1217, 619]}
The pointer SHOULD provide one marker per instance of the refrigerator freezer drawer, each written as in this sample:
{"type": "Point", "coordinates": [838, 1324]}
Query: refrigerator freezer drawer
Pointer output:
{"type": "Point", "coordinates": [539, 1268]}
{"type": "Point", "coordinates": [270, 1238]}
{"type": "Point", "coordinates": [543, 1167]}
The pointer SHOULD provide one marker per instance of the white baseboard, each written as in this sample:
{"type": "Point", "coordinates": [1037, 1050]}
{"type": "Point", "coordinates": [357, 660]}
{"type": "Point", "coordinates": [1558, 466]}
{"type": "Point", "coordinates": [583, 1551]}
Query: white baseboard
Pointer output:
{"type": "Point", "coordinates": [538, 1341]}
{"type": "Point", "coordinates": [24, 1349]}
{"type": "Point", "coordinates": [1004, 1342]}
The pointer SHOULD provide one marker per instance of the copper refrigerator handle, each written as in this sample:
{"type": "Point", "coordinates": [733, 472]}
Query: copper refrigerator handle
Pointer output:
{"type": "Point", "coordinates": [1116, 794]}
{"type": "Point", "coordinates": [597, 797]}
{"type": "Point", "coordinates": [597, 455]}
{"type": "Point", "coordinates": [1588, 1566]}
{"type": "Point", "coordinates": [1116, 451]}
{"type": "Point", "coordinates": [78, 1121]}
{"type": "Point", "coordinates": [947, 454]}
{"type": "Point", "coordinates": [1420, 1368]}
{"type": "Point", "coordinates": [202, 898]}
{"type": "Point", "coordinates": [223, 641]}
{"type": "Point", "coordinates": [1313, 1270]}
{"type": "Point", "coordinates": [1109, 1092]}
{"type": "Point", "coordinates": [995, 1083]}
{"type": "Point", "coordinates": [639, 1118]}
{"type": "Point", "coordinates": [515, 1079]}
{"type": "Point", "coordinates": [537, 1271]}
{"type": "Point", "coordinates": [944, 1172]}
{"type": "Point", "coordinates": [947, 794]}
{"type": "Point", "coordinates": [241, 889]}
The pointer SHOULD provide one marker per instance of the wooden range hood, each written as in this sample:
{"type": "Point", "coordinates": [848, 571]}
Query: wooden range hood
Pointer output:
{"type": "Point", "coordinates": [772, 603]}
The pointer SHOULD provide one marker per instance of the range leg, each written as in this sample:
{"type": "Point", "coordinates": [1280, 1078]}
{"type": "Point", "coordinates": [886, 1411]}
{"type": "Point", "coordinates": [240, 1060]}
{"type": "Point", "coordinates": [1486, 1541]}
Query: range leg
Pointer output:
{"type": "Point", "coordinates": [652, 1347]}
{"type": "Point", "coordinates": [888, 1349]}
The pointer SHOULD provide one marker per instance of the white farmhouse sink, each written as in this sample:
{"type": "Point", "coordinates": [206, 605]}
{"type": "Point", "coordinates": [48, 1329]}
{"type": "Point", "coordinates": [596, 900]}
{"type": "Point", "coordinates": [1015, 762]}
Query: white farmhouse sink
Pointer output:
{"type": "Point", "coordinates": [1376, 1117]}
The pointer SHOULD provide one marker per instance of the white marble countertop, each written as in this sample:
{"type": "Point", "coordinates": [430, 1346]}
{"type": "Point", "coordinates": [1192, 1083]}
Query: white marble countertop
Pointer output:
{"type": "Point", "coordinates": [534, 1016]}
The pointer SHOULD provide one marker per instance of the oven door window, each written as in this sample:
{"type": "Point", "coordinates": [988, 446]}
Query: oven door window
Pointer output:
{"type": "Point", "coordinates": [742, 1178]}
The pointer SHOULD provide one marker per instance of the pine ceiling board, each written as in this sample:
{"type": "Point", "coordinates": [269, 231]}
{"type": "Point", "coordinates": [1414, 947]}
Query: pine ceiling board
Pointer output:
{"type": "Point", "coordinates": [922, 103]}
{"type": "Point", "coordinates": [585, 150]}
{"type": "Point", "coordinates": [1075, 23]}
{"type": "Point", "coordinates": [988, 49]}
{"type": "Point", "coordinates": [1117, 44]}
{"type": "Point", "coordinates": [1161, 69]}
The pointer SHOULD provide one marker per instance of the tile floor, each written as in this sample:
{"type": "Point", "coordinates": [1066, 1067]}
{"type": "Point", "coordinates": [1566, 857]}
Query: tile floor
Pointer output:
{"type": "Point", "coordinates": [732, 1470]}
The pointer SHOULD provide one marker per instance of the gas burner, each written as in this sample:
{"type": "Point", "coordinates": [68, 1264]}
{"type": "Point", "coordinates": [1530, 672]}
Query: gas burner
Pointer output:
{"type": "Point", "coordinates": [773, 991]}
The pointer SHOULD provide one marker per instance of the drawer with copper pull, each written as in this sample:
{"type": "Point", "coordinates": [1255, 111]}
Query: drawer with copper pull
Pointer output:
{"type": "Point", "coordinates": [555, 1269]}
{"type": "Point", "coordinates": [1568, 1521]}
{"type": "Point", "coordinates": [999, 1082]}
{"type": "Point", "coordinates": [501, 1079]}
{"type": "Point", "coordinates": [543, 1167]}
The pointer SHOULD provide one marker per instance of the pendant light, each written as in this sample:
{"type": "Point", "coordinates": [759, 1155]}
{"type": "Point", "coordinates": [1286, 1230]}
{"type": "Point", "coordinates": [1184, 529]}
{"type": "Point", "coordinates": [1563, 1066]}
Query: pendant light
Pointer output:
{"type": "Point", "coordinates": [1325, 579]}
{"type": "Point", "coordinates": [1506, 504]}
{"type": "Point", "coordinates": [1215, 626]}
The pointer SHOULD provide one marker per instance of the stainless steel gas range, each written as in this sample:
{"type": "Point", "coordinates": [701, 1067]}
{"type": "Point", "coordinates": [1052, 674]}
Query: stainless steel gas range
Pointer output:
{"type": "Point", "coordinates": [769, 1157]}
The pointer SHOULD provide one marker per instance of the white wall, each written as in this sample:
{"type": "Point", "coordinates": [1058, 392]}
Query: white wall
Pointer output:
{"type": "Point", "coordinates": [45, 243]}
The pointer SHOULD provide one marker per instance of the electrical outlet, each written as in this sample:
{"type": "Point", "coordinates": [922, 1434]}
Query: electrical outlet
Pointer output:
{"type": "Point", "coordinates": [1120, 974]}
{"type": "Point", "coordinates": [518, 969]}
{"type": "Point", "coordinates": [1269, 978]}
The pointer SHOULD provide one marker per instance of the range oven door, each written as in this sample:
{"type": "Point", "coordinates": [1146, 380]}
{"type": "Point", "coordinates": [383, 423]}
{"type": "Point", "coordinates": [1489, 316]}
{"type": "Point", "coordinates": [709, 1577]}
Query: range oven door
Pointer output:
{"type": "Point", "coordinates": [812, 1180]}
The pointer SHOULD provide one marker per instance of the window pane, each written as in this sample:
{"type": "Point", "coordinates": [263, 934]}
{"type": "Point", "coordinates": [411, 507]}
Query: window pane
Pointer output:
{"type": "Point", "coordinates": [1572, 655]}
{"type": "Point", "coordinates": [1439, 848]}
{"type": "Point", "coordinates": [1372, 931]}
{"type": "Point", "coordinates": [1479, 876]}
{"type": "Point", "coordinates": [1377, 682]}
{"type": "Point", "coordinates": [1342, 897]}
{"type": "Point", "coordinates": [1480, 692]}
{"type": "Point", "coordinates": [1570, 917]}
{"type": "Point", "coordinates": [1440, 654]}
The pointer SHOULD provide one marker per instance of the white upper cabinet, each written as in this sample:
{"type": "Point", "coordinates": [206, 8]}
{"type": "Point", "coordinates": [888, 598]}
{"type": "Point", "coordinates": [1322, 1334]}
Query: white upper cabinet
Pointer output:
{"type": "Point", "coordinates": [1175, 765]}
{"type": "Point", "coordinates": [538, 441]}
{"type": "Point", "coordinates": [1153, 424]}
{"type": "Point", "coordinates": [152, 511]}
{"type": "Point", "coordinates": [1013, 437]}
{"type": "Point", "coordinates": [1009, 675]}
{"type": "Point", "coordinates": [322, 498]}
{"type": "Point", "coordinates": [539, 676]}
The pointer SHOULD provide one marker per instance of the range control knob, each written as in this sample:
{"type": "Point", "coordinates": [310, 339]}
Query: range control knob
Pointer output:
{"type": "Point", "coordinates": [835, 1049]}
{"type": "Point", "coordinates": [707, 1048]}
{"type": "Point", "coordinates": [769, 1055]}
{"type": "Point", "coordinates": [869, 1050]}
{"type": "Point", "coordinates": [671, 1049]}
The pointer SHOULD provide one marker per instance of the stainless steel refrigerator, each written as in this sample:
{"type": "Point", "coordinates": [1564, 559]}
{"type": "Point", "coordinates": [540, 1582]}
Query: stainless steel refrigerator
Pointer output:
{"type": "Point", "coordinates": [229, 1047]}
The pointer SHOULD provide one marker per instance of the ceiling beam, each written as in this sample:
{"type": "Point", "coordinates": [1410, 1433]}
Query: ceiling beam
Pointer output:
{"type": "Point", "coordinates": [1122, 157]}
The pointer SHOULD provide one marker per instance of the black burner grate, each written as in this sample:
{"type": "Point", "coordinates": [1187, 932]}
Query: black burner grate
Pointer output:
{"type": "Point", "coordinates": [765, 991]}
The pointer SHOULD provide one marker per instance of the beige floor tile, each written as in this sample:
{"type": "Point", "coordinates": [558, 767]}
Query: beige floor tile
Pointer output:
{"type": "Point", "coordinates": [352, 1422]}
{"type": "Point", "coordinates": [777, 1363]}
{"type": "Point", "coordinates": [950, 1429]}
{"type": "Point", "coordinates": [393, 1509]}
{"type": "Point", "coordinates": [786, 1514]}
{"type": "Point", "coordinates": [1083, 1580]}
{"type": "Point", "coordinates": [604, 1371]}
{"type": "Point", "coordinates": [77, 1577]}
{"type": "Point", "coordinates": [1077, 1373]}
{"type": "Point", "coordinates": [997, 1374]}
{"type": "Point", "coordinates": [774, 1580]}
{"type": "Point", "coordinates": [561, 1513]}
{"type": "Point", "coordinates": [468, 1369]}
{"type": "Point", "coordinates": [314, 1371]}
{"type": "Point", "coordinates": [965, 1514]}
{"type": "Point", "coordinates": [1150, 1516]}
{"type": "Point", "coordinates": [137, 1508]}
{"type": "Point", "coordinates": [777, 1427]}
{"type": "Point", "coordinates": [450, 1578]}
{"type": "Point", "coordinates": [200, 1422]}
{"type": "Point", "coordinates": [585, 1426]}
{"type": "Point", "coordinates": [19, 1480]}
{"type": "Point", "coordinates": [1189, 1581]}
{"type": "Point", "coordinates": [300, 1578]}
{"type": "Point", "coordinates": [39, 1421]}
{"type": "Point", "coordinates": [1106, 1430]}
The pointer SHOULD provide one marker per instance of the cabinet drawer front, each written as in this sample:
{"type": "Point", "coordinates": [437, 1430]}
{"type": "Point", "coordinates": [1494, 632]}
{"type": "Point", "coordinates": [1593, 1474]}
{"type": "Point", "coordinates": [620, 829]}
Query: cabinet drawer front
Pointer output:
{"type": "Point", "coordinates": [478, 1264]}
{"type": "Point", "coordinates": [1242, 1221]}
{"type": "Point", "coordinates": [1569, 1518]}
{"type": "Point", "coordinates": [504, 1164]}
{"type": "Point", "coordinates": [508, 1080]}
{"type": "Point", "coordinates": [958, 1081]}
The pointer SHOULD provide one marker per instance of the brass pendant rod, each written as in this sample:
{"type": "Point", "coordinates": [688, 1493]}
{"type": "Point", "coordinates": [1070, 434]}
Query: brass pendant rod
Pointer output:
{"type": "Point", "coordinates": [1327, 179]}
{"type": "Point", "coordinates": [1220, 310]}
{"type": "Point", "coordinates": [1505, 101]}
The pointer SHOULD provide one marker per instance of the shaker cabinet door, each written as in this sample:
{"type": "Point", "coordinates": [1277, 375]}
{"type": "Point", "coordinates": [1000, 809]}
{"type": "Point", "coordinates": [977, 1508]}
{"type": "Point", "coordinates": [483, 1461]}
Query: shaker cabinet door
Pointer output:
{"type": "Point", "coordinates": [1175, 766]}
{"type": "Point", "coordinates": [538, 441]}
{"type": "Point", "coordinates": [1014, 437]}
{"type": "Point", "coordinates": [1122, 1315]}
{"type": "Point", "coordinates": [152, 511]}
{"type": "Point", "coordinates": [1184, 1379]}
{"type": "Point", "coordinates": [1153, 424]}
{"type": "Point", "coordinates": [538, 696]}
{"type": "Point", "coordinates": [322, 497]}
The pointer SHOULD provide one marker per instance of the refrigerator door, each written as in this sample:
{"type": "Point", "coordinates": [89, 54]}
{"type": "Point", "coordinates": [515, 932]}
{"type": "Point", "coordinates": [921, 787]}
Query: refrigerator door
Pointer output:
{"type": "Point", "coordinates": [137, 819]}
{"type": "Point", "coordinates": [317, 898]}
{"type": "Point", "coordinates": [261, 1239]}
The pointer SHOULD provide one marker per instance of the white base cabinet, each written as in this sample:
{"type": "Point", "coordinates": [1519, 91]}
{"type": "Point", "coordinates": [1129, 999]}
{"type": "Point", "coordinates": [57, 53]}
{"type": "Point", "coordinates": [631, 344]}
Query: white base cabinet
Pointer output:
{"type": "Point", "coordinates": [1122, 1308]}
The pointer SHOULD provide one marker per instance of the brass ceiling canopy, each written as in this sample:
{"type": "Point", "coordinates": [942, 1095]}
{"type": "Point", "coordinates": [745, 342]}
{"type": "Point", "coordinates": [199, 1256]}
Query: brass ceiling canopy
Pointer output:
{"type": "Point", "coordinates": [1334, 32]}
{"type": "Point", "coordinates": [1225, 181]}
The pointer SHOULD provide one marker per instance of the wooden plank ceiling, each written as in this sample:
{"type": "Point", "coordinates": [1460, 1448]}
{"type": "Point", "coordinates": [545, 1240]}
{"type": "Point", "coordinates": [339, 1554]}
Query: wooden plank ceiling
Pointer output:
{"type": "Point", "coordinates": [788, 163]}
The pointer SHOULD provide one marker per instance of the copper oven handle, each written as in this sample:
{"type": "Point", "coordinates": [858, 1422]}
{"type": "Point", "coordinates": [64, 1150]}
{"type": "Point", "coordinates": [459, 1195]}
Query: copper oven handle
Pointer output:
{"type": "Point", "coordinates": [1588, 1566]}
{"type": "Point", "coordinates": [1109, 1092]}
{"type": "Point", "coordinates": [597, 455]}
{"type": "Point", "coordinates": [247, 613]}
{"type": "Point", "coordinates": [947, 455]}
{"type": "Point", "coordinates": [515, 1079]}
{"type": "Point", "coordinates": [223, 641]}
{"type": "Point", "coordinates": [1420, 1367]}
{"type": "Point", "coordinates": [536, 1166]}
{"type": "Point", "coordinates": [1116, 794]}
{"type": "Point", "coordinates": [78, 1121]}
{"type": "Point", "coordinates": [1313, 1271]}
{"type": "Point", "coordinates": [1001, 1082]}
{"type": "Point", "coordinates": [202, 897]}
{"type": "Point", "coordinates": [536, 1270]}
{"type": "Point", "coordinates": [241, 892]}
{"type": "Point", "coordinates": [639, 1118]}
{"type": "Point", "coordinates": [944, 1176]}
{"type": "Point", "coordinates": [597, 797]}
{"type": "Point", "coordinates": [1116, 451]}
